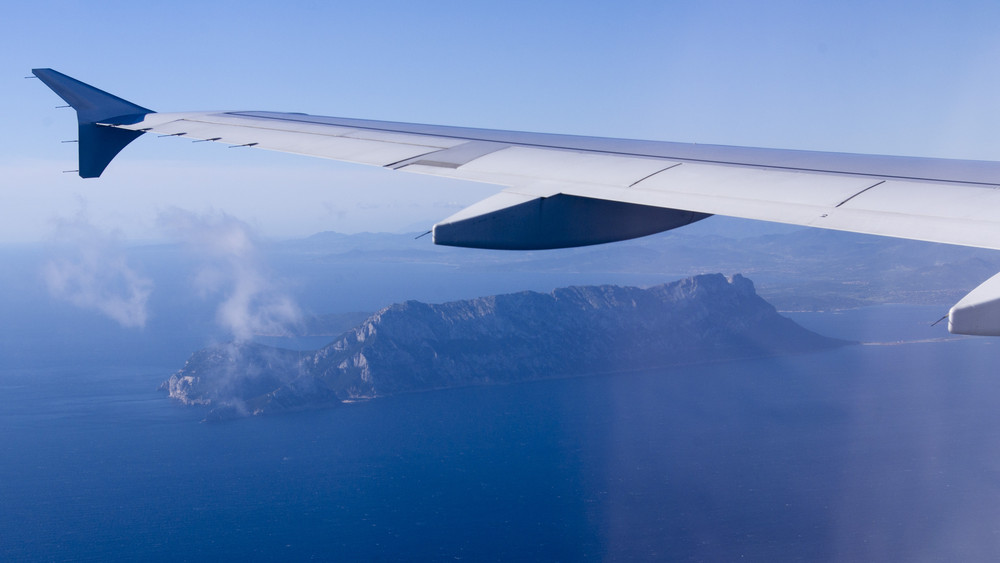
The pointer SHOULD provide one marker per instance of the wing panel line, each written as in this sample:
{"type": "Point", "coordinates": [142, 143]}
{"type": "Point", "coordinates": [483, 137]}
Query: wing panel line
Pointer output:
{"type": "Point", "coordinates": [861, 192]}
{"type": "Point", "coordinates": [675, 165]}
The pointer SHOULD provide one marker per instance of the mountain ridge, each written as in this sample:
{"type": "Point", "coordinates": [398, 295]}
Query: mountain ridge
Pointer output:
{"type": "Point", "coordinates": [579, 330]}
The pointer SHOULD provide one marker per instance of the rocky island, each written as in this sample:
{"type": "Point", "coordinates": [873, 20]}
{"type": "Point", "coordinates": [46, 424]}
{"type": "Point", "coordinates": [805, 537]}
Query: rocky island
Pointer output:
{"type": "Point", "coordinates": [414, 346]}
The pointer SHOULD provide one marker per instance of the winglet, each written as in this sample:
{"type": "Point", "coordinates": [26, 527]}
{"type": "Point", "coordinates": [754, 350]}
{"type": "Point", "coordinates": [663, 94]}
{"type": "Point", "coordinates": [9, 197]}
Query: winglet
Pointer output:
{"type": "Point", "coordinates": [95, 110]}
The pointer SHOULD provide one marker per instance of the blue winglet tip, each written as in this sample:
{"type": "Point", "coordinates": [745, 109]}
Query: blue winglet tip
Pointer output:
{"type": "Point", "coordinates": [99, 144]}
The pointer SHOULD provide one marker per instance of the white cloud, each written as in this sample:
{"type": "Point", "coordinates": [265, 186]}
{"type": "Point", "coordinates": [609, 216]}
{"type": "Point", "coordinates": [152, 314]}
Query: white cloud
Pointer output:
{"type": "Point", "coordinates": [252, 303]}
{"type": "Point", "coordinates": [91, 272]}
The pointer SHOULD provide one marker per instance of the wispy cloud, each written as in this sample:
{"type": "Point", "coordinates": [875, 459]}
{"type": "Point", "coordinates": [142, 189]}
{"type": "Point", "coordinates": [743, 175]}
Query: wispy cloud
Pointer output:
{"type": "Point", "coordinates": [252, 303]}
{"type": "Point", "coordinates": [89, 270]}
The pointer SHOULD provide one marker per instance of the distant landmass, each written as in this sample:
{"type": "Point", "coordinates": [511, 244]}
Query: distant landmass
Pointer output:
{"type": "Point", "coordinates": [413, 346]}
{"type": "Point", "coordinates": [795, 269]}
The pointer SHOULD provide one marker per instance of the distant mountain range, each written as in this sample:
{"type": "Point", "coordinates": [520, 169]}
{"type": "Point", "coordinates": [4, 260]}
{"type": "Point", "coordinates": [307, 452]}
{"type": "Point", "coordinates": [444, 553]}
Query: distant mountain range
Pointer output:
{"type": "Point", "coordinates": [795, 269]}
{"type": "Point", "coordinates": [413, 346]}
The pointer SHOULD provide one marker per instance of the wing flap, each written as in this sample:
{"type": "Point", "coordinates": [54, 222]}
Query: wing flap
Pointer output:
{"type": "Point", "coordinates": [972, 203]}
{"type": "Point", "coordinates": [758, 184]}
{"type": "Point", "coordinates": [523, 165]}
{"type": "Point", "coordinates": [921, 211]}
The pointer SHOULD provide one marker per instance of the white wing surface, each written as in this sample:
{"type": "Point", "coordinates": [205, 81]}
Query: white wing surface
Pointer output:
{"type": "Point", "coordinates": [561, 191]}
{"type": "Point", "coordinates": [927, 199]}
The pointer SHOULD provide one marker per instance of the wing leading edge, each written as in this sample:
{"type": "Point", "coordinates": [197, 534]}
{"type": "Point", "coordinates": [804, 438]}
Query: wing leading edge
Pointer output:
{"type": "Point", "coordinates": [563, 191]}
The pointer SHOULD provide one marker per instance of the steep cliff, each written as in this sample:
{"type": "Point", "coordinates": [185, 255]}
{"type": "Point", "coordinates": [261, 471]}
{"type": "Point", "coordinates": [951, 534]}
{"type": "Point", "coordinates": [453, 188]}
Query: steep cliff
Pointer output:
{"type": "Point", "coordinates": [415, 346]}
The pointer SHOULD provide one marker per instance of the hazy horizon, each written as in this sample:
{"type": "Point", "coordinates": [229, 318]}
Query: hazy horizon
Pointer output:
{"type": "Point", "coordinates": [885, 451]}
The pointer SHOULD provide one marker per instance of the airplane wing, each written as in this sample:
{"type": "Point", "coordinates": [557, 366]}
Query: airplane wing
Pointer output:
{"type": "Point", "coordinates": [561, 191]}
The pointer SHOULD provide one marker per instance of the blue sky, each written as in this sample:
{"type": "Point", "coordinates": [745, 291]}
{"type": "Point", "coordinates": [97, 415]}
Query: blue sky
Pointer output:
{"type": "Point", "coordinates": [893, 77]}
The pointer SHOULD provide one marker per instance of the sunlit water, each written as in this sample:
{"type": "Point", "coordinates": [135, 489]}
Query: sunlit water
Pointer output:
{"type": "Point", "coordinates": [875, 452]}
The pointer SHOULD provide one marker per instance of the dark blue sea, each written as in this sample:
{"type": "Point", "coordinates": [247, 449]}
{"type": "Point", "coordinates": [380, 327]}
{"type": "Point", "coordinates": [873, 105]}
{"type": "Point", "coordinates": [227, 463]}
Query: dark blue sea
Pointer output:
{"type": "Point", "coordinates": [885, 451]}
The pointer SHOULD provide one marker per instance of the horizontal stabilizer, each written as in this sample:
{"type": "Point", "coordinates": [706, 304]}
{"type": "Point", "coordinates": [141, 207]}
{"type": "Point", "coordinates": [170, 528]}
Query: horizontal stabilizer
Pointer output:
{"type": "Point", "coordinates": [95, 109]}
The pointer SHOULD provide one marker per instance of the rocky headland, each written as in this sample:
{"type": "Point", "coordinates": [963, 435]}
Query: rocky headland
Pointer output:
{"type": "Point", "coordinates": [413, 346]}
